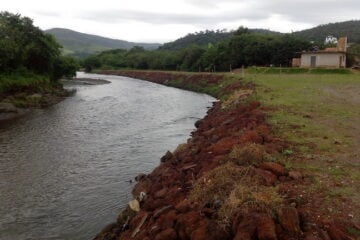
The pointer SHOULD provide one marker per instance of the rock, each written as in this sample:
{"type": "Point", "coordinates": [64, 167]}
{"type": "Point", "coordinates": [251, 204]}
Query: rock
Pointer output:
{"type": "Point", "coordinates": [268, 178]}
{"type": "Point", "coordinates": [160, 211]}
{"type": "Point", "coordinates": [167, 234]}
{"type": "Point", "coordinates": [310, 237]}
{"type": "Point", "coordinates": [183, 206]}
{"type": "Point", "coordinates": [337, 232]}
{"type": "Point", "coordinates": [200, 233]}
{"type": "Point", "coordinates": [125, 217]}
{"type": "Point", "coordinates": [275, 168]}
{"type": "Point", "coordinates": [244, 225]}
{"type": "Point", "coordinates": [142, 196]}
{"type": "Point", "coordinates": [142, 186]}
{"type": "Point", "coordinates": [295, 175]}
{"type": "Point", "coordinates": [208, 212]}
{"type": "Point", "coordinates": [36, 95]}
{"type": "Point", "coordinates": [289, 220]}
{"type": "Point", "coordinates": [283, 179]}
{"type": "Point", "coordinates": [7, 108]}
{"type": "Point", "coordinates": [161, 193]}
{"type": "Point", "coordinates": [134, 205]}
{"type": "Point", "coordinates": [107, 232]}
{"type": "Point", "coordinates": [168, 156]}
{"type": "Point", "coordinates": [139, 221]}
{"type": "Point", "coordinates": [266, 228]}
{"type": "Point", "coordinates": [198, 123]}
{"type": "Point", "coordinates": [140, 177]}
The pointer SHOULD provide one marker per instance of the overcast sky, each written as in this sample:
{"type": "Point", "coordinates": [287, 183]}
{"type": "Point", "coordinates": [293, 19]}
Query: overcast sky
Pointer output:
{"type": "Point", "coordinates": [166, 20]}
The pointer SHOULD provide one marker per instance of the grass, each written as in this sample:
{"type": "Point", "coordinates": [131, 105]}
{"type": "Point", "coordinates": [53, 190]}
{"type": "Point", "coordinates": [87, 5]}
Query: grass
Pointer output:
{"type": "Point", "coordinates": [19, 82]}
{"type": "Point", "coordinates": [248, 154]}
{"type": "Point", "coordinates": [319, 113]}
{"type": "Point", "coordinates": [25, 89]}
{"type": "Point", "coordinates": [303, 103]}
{"type": "Point", "coordinates": [278, 70]}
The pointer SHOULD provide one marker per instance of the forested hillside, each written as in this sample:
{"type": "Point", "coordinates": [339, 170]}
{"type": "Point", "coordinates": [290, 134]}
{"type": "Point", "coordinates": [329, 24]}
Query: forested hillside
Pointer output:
{"type": "Point", "coordinates": [81, 44]}
{"type": "Point", "coordinates": [351, 29]}
{"type": "Point", "coordinates": [204, 38]}
{"type": "Point", "coordinates": [242, 48]}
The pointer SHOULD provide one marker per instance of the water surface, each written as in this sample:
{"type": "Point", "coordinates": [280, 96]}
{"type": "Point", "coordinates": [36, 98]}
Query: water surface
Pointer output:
{"type": "Point", "coordinates": [64, 170]}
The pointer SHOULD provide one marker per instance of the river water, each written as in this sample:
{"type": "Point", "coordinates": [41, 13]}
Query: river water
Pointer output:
{"type": "Point", "coordinates": [65, 170]}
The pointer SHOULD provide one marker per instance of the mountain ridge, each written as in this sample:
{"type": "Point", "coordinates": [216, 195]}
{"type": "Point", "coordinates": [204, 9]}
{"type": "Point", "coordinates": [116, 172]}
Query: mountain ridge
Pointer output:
{"type": "Point", "coordinates": [83, 44]}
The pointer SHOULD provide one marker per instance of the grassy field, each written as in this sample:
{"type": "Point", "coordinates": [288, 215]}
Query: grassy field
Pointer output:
{"type": "Point", "coordinates": [320, 115]}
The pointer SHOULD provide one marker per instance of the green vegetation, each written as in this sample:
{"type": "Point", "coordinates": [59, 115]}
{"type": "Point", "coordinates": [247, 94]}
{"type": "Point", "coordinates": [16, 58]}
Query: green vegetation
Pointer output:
{"type": "Point", "coordinates": [19, 82]}
{"type": "Point", "coordinates": [203, 38]}
{"type": "Point", "coordinates": [351, 29]}
{"type": "Point", "coordinates": [30, 61]}
{"type": "Point", "coordinates": [82, 45]}
{"type": "Point", "coordinates": [300, 100]}
{"type": "Point", "coordinates": [242, 48]}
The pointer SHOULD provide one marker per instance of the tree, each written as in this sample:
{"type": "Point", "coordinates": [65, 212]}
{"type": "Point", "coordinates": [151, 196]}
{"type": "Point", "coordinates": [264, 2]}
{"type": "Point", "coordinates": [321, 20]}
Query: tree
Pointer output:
{"type": "Point", "coordinates": [22, 45]}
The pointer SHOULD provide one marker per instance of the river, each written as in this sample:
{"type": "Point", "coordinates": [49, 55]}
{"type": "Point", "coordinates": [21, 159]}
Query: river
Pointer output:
{"type": "Point", "coordinates": [65, 170]}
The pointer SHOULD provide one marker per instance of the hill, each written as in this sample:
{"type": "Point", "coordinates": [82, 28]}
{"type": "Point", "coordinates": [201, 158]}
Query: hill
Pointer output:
{"type": "Point", "coordinates": [207, 37]}
{"type": "Point", "coordinates": [82, 45]}
{"type": "Point", "coordinates": [198, 38]}
{"type": "Point", "coordinates": [351, 29]}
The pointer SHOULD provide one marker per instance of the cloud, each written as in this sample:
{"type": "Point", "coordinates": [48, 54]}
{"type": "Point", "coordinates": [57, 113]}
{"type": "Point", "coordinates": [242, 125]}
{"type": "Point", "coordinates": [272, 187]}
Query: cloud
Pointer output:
{"type": "Point", "coordinates": [49, 13]}
{"type": "Point", "coordinates": [313, 11]}
{"type": "Point", "coordinates": [161, 18]}
{"type": "Point", "coordinates": [165, 20]}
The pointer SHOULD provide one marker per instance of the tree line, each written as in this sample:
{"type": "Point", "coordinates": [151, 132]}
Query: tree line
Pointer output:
{"type": "Point", "coordinates": [24, 48]}
{"type": "Point", "coordinates": [244, 48]}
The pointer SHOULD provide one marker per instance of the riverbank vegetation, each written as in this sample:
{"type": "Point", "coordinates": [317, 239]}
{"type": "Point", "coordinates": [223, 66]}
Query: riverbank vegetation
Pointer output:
{"type": "Point", "coordinates": [30, 60]}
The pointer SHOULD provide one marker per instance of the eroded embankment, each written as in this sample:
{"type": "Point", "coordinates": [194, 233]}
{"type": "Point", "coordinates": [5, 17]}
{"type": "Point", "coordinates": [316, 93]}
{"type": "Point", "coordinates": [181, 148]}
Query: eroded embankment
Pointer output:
{"type": "Point", "coordinates": [226, 182]}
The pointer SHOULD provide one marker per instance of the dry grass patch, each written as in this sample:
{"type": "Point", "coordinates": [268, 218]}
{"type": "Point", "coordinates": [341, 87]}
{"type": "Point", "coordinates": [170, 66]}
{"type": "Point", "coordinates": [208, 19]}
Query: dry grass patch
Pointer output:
{"type": "Point", "coordinates": [248, 199]}
{"type": "Point", "coordinates": [230, 188]}
{"type": "Point", "coordinates": [216, 184]}
{"type": "Point", "coordinates": [249, 154]}
{"type": "Point", "coordinates": [237, 97]}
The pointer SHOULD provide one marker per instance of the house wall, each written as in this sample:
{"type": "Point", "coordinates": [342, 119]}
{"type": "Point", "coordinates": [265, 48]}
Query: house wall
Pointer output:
{"type": "Point", "coordinates": [328, 60]}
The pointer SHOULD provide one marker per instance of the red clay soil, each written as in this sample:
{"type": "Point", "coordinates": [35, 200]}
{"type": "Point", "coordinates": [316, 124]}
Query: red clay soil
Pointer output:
{"type": "Point", "coordinates": [166, 212]}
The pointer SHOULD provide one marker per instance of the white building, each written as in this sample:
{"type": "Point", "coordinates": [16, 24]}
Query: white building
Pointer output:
{"type": "Point", "coordinates": [328, 58]}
